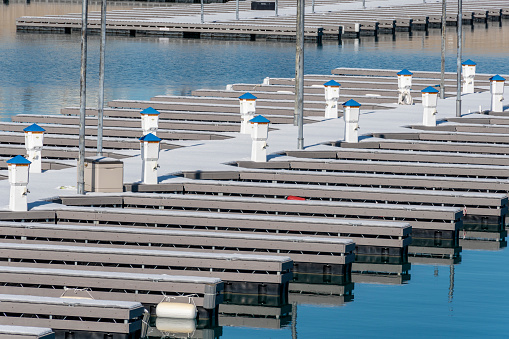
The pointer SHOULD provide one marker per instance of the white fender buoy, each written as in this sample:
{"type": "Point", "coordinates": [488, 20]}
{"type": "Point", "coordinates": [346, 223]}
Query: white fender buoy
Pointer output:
{"type": "Point", "coordinates": [176, 310]}
{"type": "Point", "coordinates": [173, 325]}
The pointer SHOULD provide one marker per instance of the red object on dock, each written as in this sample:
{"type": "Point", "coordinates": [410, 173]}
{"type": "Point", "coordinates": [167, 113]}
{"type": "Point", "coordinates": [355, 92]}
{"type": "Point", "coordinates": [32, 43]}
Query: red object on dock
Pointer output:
{"type": "Point", "coordinates": [292, 197]}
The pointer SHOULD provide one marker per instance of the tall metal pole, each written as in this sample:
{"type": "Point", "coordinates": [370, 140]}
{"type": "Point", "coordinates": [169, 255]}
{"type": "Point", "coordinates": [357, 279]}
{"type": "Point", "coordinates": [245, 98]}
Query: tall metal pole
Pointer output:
{"type": "Point", "coordinates": [458, 60]}
{"type": "Point", "coordinates": [299, 74]}
{"type": "Point", "coordinates": [237, 9]}
{"type": "Point", "coordinates": [442, 64]}
{"type": "Point", "coordinates": [83, 104]}
{"type": "Point", "coordinates": [312, 6]}
{"type": "Point", "coordinates": [276, 7]}
{"type": "Point", "coordinates": [294, 321]}
{"type": "Point", "coordinates": [201, 11]}
{"type": "Point", "coordinates": [100, 104]}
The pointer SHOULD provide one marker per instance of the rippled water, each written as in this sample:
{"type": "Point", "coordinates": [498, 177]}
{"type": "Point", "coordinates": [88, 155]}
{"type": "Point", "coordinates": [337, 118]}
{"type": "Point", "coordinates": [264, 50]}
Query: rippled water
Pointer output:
{"type": "Point", "coordinates": [39, 74]}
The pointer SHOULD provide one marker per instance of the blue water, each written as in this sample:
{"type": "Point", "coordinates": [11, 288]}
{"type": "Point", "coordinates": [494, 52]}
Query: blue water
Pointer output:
{"type": "Point", "coordinates": [39, 74]}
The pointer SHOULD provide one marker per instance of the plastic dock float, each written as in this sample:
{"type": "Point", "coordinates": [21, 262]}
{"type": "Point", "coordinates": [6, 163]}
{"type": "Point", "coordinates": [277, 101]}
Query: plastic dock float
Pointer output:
{"type": "Point", "coordinates": [25, 332]}
{"type": "Point", "coordinates": [148, 289]}
{"type": "Point", "coordinates": [68, 314]}
{"type": "Point", "coordinates": [315, 258]}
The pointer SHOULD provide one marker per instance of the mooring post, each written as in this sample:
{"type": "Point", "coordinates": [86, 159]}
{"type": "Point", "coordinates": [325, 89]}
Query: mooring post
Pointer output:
{"type": "Point", "coordinates": [259, 136]}
{"type": "Point", "coordinates": [299, 75]}
{"type": "Point", "coordinates": [458, 59]}
{"type": "Point", "coordinates": [34, 139]}
{"type": "Point", "coordinates": [83, 93]}
{"type": "Point", "coordinates": [442, 61]}
{"type": "Point", "coordinates": [351, 115]}
{"type": "Point", "coordinates": [100, 105]}
{"type": "Point", "coordinates": [468, 70]}
{"type": "Point", "coordinates": [331, 99]}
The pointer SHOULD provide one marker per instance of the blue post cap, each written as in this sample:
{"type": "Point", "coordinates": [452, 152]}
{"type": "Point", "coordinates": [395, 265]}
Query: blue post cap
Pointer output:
{"type": "Point", "coordinates": [150, 111]}
{"type": "Point", "coordinates": [150, 138]}
{"type": "Point", "coordinates": [469, 63]}
{"type": "Point", "coordinates": [352, 103]}
{"type": "Point", "coordinates": [497, 78]}
{"type": "Point", "coordinates": [429, 89]}
{"type": "Point", "coordinates": [34, 128]}
{"type": "Point", "coordinates": [404, 72]}
{"type": "Point", "coordinates": [247, 96]}
{"type": "Point", "coordinates": [332, 83]}
{"type": "Point", "coordinates": [19, 160]}
{"type": "Point", "coordinates": [259, 119]}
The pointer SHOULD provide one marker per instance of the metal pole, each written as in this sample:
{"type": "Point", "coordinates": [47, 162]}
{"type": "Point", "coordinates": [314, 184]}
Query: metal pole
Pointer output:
{"type": "Point", "coordinates": [451, 282]}
{"type": "Point", "coordinates": [313, 6]}
{"type": "Point", "coordinates": [299, 74]}
{"type": "Point", "coordinates": [458, 60]}
{"type": "Point", "coordinates": [237, 9]}
{"type": "Point", "coordinates": [276, 7]}
{"type": "Point", "coordinates": [83, 93]}
{"type": "Point", "coordinates": [201, 11]}
{"type": "Point", "coordinates": [100, 111]}
{"type": "Point", "coordinates": [442, 63]}
{"type": "Point", "coordinates": [363, 3]}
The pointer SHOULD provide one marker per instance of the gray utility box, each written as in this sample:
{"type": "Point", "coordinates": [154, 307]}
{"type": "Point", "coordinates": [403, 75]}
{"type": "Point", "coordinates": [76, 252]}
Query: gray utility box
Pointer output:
{"type": "Point", "coordinates": [104, 174]}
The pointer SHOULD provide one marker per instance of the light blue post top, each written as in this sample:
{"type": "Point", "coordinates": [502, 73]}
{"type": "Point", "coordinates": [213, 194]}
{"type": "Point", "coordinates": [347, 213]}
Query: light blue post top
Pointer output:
{"type": "Point", "coordinates": [150, 111]}
{"type": "Point", "coordinates": [247, 96]}
{"type": "Point", "coordinates": [150, 138]}
{"type": "Point", "coordinates": [404, 72]}
{"type": "Point", "coordinates": [34, 128]}
{"type": "Point", "coordinates": [352, 103]}
{"type": "Point", "coordinates": [332, 83]}
{"type": "Point", "coordinates": [497, 78]}
{"type": "Point", "coordinates": [259, 119]}
{"type": "Point", "coordinates": [469, 63]}
{"type": "Point", "coordinates": [429, 89]}
{"type": "Point", "coordinates": [19, 160]}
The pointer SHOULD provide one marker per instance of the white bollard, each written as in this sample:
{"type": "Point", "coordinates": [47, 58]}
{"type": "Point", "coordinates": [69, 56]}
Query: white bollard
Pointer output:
{"type": "Point", "coordinates": [34, 138]}
{"type": "Point", "coordinates": [404, 87]}
{"type": "Point", "coordinates": [259, 135]}
{"type": "Point", "coordinates": [149, 145]}
{"type": "Point", "coordinates": [331, 99]}
{"type": "Point", "coordinates": [247, 111]}
{"type": "Point", "coordinates": [149, 121]}
{"type": "Point", "coordinates": [429, 103]}
{"type": "Point", "coordinates": [18, 180]}
{"type": "Point", "coordinates": [497, 93]}
{"type": "Point", "coordinates": [351, 114]}
{"type": "Point", "coordinates": [468, 71]}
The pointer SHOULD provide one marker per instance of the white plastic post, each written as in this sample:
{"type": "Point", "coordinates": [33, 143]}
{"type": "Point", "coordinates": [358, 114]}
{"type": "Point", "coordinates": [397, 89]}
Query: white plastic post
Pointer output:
{"type": "Point", "coordinates": [149, 121]}
{"type": "Point", "coordinates": [468, 71]}
{"type": "Point", "coordinates": [247, 111]}
{"type": "Point", "coordinates": [404, 86]}
{"type": "Point", "coordinates": [34, 138]}
{"type": "Point", "coordinates": [429, 104]}
{"type": "Point", "coordinates": [149, 145]}
{"type": "Point", "coordinates": [351, 114]}
{"type": "Point", "coordinates": [18, 168]}
{"type": "Point", "coordinates": [259, 136]}
{"type": "Point", "coordinates": [497, 93]}
{"type": "Point", "coordinates": [331, 99]}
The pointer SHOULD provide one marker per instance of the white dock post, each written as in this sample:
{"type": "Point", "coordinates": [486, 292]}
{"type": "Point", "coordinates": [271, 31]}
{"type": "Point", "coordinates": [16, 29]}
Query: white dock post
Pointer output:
{"type": "Point", "coordinates": [18, 180]}
{"type": "Point", "coordinates": [404, 86]}
{"type": "Point", "coordinates": [149, 145]}
{"type": "Point", "coordinates": [468, 72]}
{"type": "Point", "coordinates": [247, 111]}
{"type": "Point", "coordinates": [34, 137]}
{"type": "Point", "coordinates": [331, 99]}
{"type": "Point", "coordinates": [259, 135]}
{"type": "Point", "coordinates": [351, 114]}
{"type": "Point", "coordinates": [497, 93]}
{"type": "Point", "coordinates": [429, 103]}
{"type": "Point", "coordinates": [149, 121]}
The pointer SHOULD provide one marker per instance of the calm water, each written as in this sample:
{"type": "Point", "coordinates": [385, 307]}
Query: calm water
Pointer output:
{"type": "Point", "coordinates": [39, 74]}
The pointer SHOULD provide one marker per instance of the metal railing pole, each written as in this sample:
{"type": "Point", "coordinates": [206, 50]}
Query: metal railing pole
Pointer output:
{"type": "Point", "coordinates": [83, 92]}
{"type": "Point", "coordinates": [442, 61]}
{"type": "Point", "coordinates": [100, 112]}
{"type": "Point", "coordinates": [299, 74]}
{"type": "Point", "coordinates": [458, 59]}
